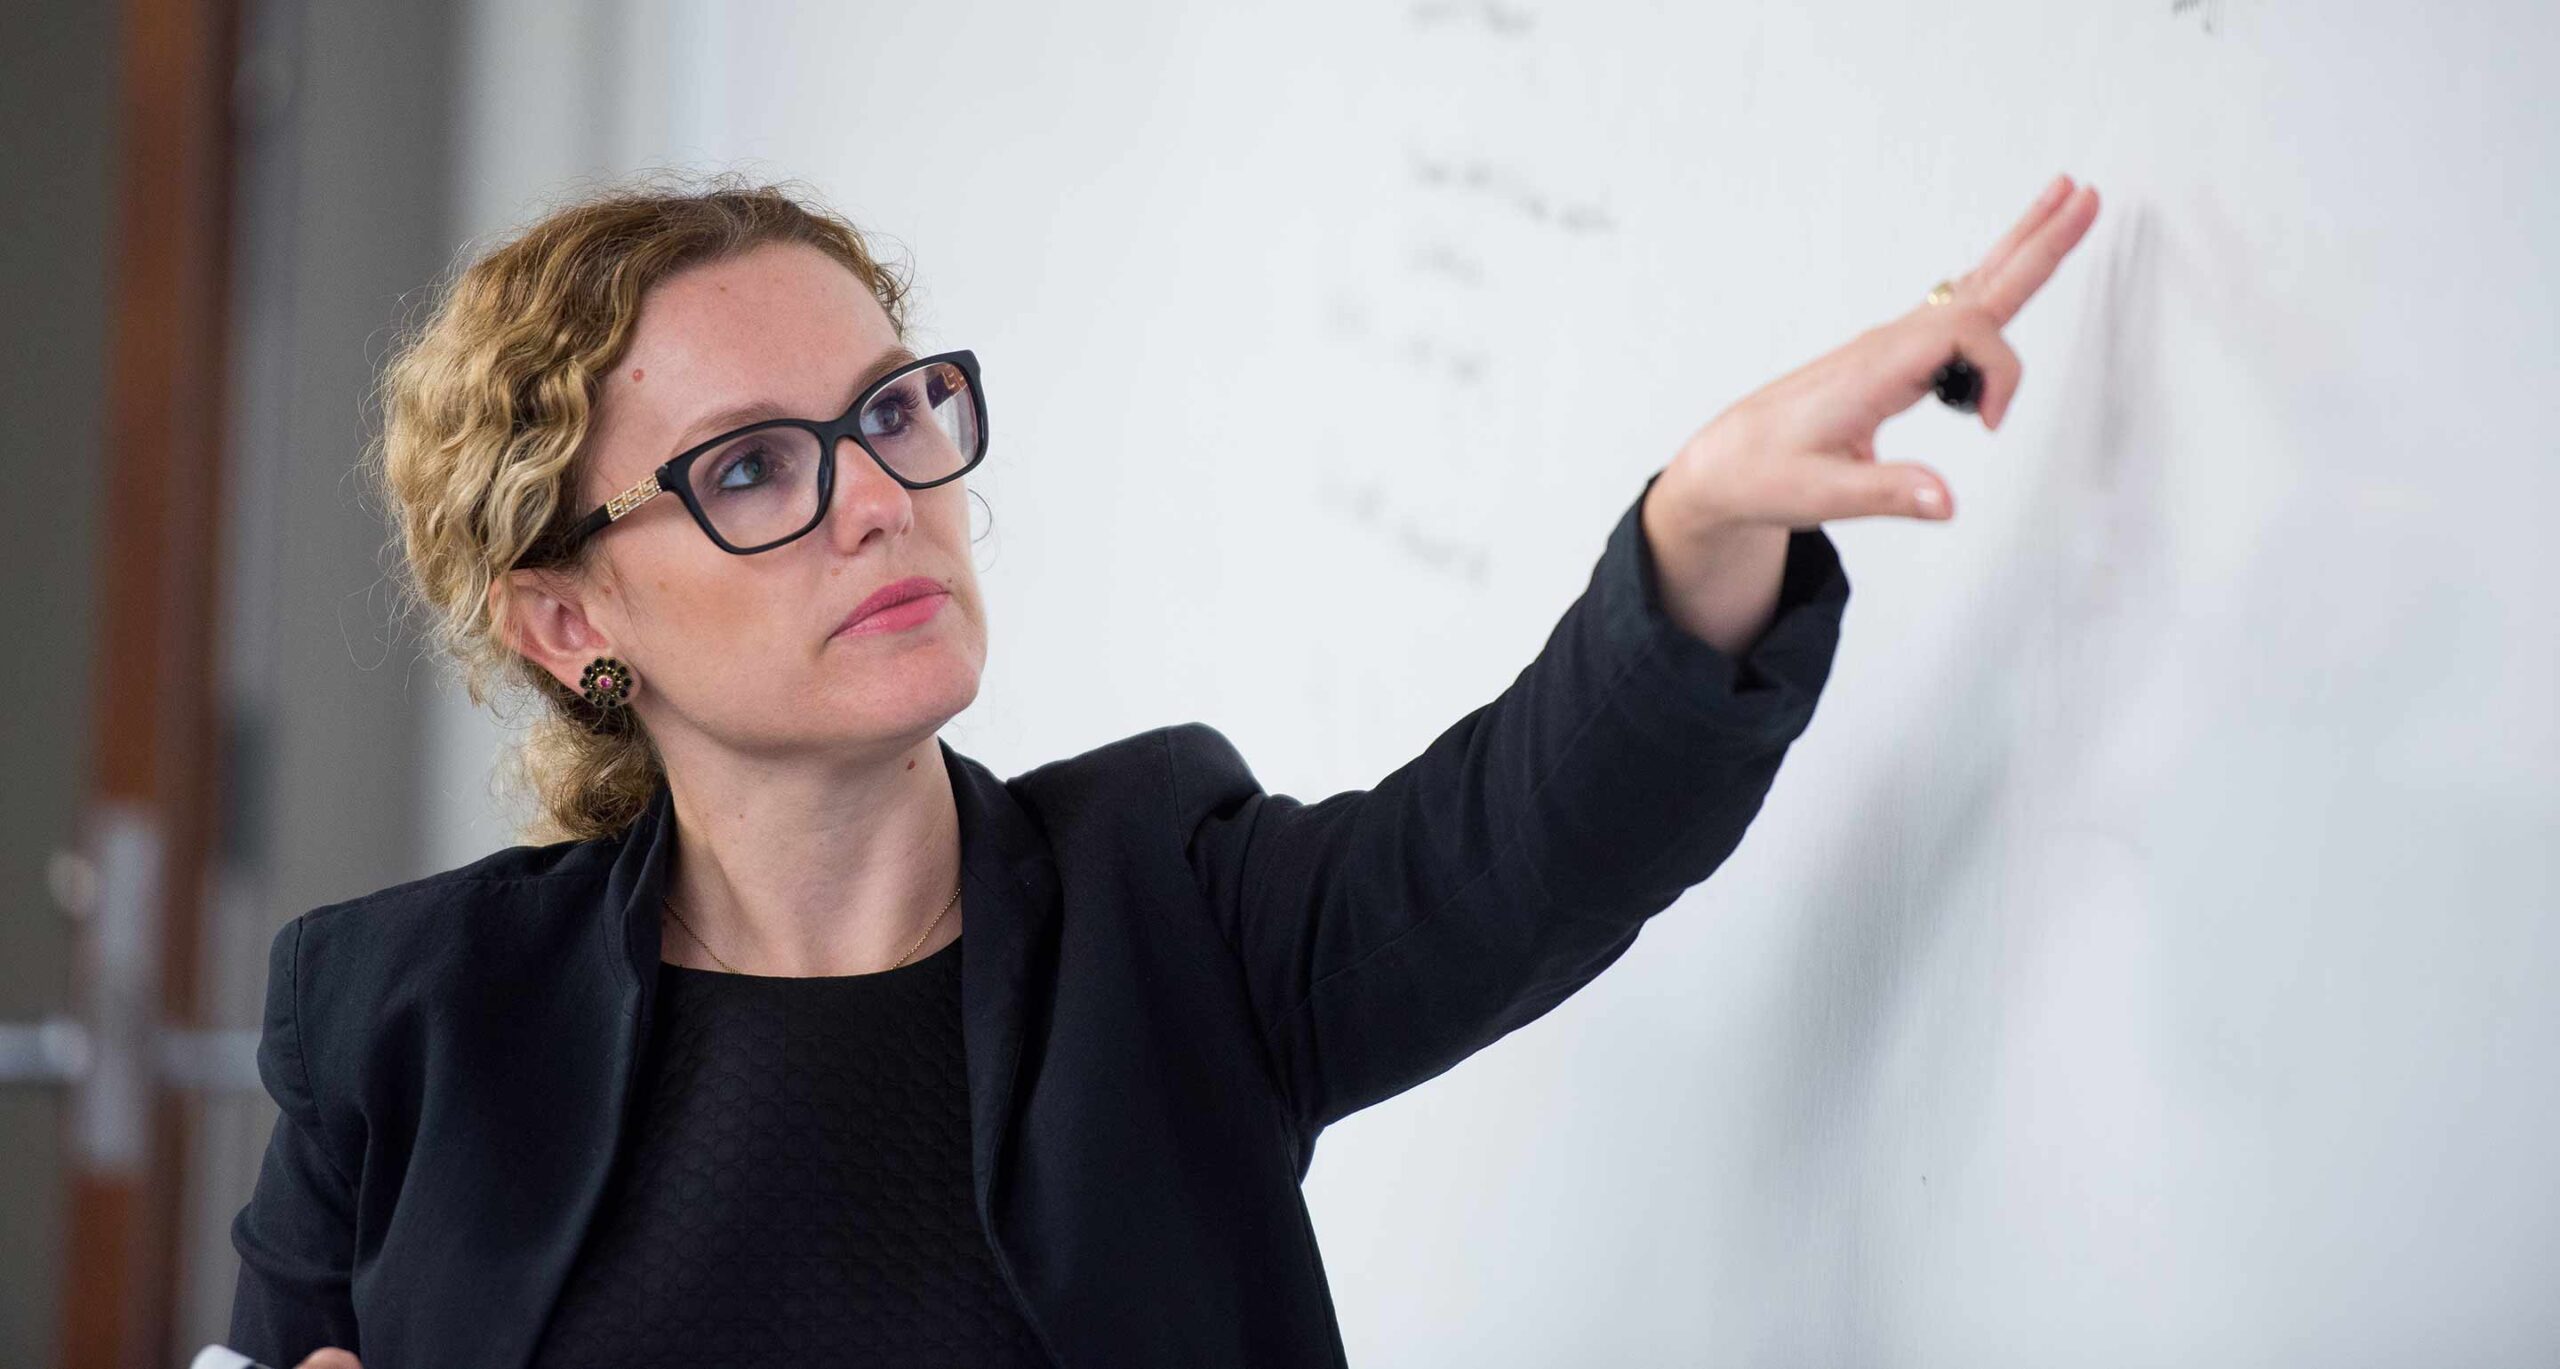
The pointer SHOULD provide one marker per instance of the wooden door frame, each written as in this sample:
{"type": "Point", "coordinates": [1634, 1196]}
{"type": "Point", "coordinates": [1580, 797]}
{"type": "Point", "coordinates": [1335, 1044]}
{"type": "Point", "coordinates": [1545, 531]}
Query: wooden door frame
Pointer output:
{"type": "Point", "coordinates": [149, 818]}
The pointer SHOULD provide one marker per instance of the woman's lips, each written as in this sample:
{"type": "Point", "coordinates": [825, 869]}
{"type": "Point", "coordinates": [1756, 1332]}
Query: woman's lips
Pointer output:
{"type": "Point", "coordinates": [899, 616]}
{"type": "Point", "coordinates": [889, 595]}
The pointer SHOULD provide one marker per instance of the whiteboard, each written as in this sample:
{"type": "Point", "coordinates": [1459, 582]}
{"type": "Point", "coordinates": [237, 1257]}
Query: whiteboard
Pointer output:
{"type": "Point", "coordinates": [2146, 955]}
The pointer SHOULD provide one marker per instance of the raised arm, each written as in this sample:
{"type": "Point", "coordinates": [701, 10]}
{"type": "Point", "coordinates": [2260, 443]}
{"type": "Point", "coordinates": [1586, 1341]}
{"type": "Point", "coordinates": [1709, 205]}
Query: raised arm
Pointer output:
{"type": "Point", "coordinates": [1387, 934]}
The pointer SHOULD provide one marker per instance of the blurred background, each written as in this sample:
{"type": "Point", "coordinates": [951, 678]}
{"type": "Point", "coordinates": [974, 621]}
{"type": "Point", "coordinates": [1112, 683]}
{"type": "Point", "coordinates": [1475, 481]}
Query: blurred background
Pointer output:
{"type": "Point", "coordinates": [2146, 956]}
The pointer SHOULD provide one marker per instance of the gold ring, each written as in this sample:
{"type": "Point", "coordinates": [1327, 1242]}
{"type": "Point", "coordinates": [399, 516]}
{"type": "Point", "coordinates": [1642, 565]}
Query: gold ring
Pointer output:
{"type": "Point", "coordinates": [1942, 292]}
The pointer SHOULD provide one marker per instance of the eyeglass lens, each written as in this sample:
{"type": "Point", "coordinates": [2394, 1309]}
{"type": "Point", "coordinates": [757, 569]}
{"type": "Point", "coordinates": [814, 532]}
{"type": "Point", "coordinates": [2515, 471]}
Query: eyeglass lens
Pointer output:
{"type": "Point", "coordinates": [762, 487]}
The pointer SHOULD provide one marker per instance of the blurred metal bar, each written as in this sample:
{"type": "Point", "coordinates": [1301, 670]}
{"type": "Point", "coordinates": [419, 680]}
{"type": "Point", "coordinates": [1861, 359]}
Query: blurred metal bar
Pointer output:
{"type": "Point", "coordinates": [59, 1050]}
{"type": "Point", "coordinates": [52, 1051]}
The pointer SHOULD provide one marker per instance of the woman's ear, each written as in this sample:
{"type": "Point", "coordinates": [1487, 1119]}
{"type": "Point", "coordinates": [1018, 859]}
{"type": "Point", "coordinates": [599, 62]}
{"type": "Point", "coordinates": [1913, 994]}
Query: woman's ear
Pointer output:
{"type": "Point", "coordinates": [544, 618]}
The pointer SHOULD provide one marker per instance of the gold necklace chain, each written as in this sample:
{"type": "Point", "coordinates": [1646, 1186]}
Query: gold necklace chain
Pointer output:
{"type": "Point", "coordinates": [902, 960]}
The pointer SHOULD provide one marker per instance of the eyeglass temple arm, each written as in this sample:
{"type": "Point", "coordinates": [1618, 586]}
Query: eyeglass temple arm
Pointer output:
{"type": "Point", "coordinates": [610, 511]}
{"type": "Point", "coordinates": [650, 487]}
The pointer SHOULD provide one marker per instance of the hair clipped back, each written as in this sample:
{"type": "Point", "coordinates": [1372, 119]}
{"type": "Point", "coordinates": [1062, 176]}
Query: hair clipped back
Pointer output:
{"type": "Point", "coordinates": [486, 406]}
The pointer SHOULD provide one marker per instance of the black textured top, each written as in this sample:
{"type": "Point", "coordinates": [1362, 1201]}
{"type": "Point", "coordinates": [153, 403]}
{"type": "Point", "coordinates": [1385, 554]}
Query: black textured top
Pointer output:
{"type": "Point", "coordinates": [795, 1188]}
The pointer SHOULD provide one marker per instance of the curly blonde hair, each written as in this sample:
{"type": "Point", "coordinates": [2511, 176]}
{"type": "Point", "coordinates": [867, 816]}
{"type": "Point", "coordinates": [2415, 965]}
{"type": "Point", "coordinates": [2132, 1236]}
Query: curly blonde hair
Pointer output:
{"type": "Point", "coordinates": [486, 407]}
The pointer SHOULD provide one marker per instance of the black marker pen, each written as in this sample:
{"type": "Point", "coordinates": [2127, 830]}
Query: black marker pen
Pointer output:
{"type": "Point", "coordinates": [1959, 386]}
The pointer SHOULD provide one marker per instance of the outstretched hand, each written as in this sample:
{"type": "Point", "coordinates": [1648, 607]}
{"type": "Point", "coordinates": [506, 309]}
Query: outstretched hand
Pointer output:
{"type": "Point", "coordinates": [1801, 450]}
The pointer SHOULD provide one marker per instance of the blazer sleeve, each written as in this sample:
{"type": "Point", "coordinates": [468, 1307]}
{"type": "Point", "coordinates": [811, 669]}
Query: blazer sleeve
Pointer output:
{"type": "Point", "coordinates": [296, 1236]}
{"type": "Point", "coordinates": [1386, 934]}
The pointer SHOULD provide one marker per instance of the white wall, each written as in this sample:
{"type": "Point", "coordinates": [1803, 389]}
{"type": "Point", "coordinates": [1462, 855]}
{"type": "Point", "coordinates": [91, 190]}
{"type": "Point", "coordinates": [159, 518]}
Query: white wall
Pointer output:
{"type": "Point", "coordinates": [2145, 957]}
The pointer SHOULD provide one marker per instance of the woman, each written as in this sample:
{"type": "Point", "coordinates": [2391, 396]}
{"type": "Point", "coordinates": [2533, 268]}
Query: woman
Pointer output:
{"type": "Point", "coordinates": [711, 1076]}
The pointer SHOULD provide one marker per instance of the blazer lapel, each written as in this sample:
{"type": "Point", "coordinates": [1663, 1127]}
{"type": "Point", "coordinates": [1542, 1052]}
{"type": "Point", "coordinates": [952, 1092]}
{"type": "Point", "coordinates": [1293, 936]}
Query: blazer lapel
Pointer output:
{"type": "Point", "coordinates": [1010, 893]}
{"type": "Point", "coordinates": [560, 1165]}
{"type": "Point", "coordinates": [1009, 938]}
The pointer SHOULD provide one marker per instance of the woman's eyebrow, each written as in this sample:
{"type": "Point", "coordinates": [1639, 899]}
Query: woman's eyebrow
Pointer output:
{"type": "Point", "coordinates": [758, 410]}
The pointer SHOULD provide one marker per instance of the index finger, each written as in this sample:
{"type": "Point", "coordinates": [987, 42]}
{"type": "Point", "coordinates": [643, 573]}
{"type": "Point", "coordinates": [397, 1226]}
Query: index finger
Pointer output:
{"type": "Point", "coordinates": [2007, 286]}
{"type": "Point", "coordinates": [2045, 202]}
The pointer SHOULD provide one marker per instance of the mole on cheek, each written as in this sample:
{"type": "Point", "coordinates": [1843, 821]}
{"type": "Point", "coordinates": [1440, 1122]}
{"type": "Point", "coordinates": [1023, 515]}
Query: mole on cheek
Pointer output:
{"type": "Point", "coordinates": [636, 373]}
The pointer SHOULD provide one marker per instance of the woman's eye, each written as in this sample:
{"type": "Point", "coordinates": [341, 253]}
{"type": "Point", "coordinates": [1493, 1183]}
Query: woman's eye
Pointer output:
{"type": "Point", "coordinates": [753, 456]}
{"type": "Point", "coordinates": [889, 416]}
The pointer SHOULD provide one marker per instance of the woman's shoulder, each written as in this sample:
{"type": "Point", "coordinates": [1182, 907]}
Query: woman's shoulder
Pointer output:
{"type": "Point", "coordinates": [369, 998]}
{"type": "Point", "coordinates": [1158, 759]}
{"type": "Point", "coordinates": [519, 903]}
{"type": "Point", "coordinates": [478, 883]}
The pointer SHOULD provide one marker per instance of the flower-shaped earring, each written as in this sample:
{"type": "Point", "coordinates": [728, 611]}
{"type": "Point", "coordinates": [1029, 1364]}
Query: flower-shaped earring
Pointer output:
{"type": "Point", "coordinates": [606, 683]}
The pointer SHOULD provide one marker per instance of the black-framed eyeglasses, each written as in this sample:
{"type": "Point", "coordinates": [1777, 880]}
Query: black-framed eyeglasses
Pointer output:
{"type": "Point", "coordinates": [755, 488]}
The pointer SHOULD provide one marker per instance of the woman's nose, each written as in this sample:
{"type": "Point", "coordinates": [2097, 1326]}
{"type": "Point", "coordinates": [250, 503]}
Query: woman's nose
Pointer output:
{"type": "Point", "coordinates": [865, 497]}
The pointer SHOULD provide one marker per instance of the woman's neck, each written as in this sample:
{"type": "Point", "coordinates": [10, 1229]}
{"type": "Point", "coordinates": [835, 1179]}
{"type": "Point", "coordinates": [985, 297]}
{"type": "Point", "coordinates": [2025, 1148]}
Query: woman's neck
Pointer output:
{"type": "Point", "coordinates": [813, 871]}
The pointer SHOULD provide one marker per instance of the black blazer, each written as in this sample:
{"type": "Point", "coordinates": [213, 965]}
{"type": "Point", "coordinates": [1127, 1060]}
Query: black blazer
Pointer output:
{"type": "Point", "coordinates": [1172, 982]}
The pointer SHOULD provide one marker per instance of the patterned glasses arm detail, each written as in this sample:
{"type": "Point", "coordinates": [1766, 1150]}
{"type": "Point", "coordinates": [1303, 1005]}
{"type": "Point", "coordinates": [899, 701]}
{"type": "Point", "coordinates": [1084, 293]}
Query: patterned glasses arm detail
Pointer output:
{"type": "Point", "coordinates": [649, 488]}
{"type": "Point", "coordinates": [608, 512]}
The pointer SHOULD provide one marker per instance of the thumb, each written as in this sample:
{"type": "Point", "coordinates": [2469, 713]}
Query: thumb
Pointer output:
{"type": "Point", "coordinates": [330, 1358]}
{"type": "Point", "coordinates": [1900, 489]}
